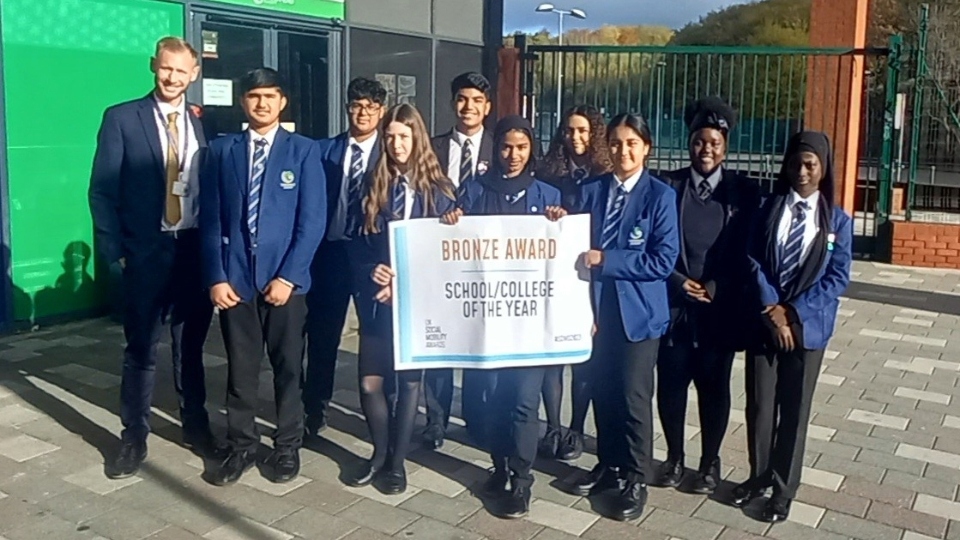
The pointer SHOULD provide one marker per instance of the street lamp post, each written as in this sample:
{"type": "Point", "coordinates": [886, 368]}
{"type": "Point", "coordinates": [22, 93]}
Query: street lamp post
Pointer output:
{"type": "Point", "coordinates": [573, 12]}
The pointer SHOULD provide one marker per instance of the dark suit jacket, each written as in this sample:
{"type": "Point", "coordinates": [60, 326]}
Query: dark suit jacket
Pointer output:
{"type": "Point", "coordinates": [128, 184]}
{"type": "Point", "coordinates": [726, 267]}
{"type": "Point", "coordinates": [441, 146]}
{"type": "Point", "coordinates": [293, 214]}
{"type": "Point", "coordinates": [333, 154]}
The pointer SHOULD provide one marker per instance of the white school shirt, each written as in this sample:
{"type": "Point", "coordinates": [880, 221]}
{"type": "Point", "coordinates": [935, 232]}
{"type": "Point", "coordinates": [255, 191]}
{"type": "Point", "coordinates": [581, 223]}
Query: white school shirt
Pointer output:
{"type": "Point", "coordinates": [456, 149]}
{"type": "Point", "coordinates": [810, 223]}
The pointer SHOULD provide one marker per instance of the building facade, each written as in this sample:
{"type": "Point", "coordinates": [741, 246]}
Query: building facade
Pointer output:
{"type": "Point", "coordinates": [65, 61]}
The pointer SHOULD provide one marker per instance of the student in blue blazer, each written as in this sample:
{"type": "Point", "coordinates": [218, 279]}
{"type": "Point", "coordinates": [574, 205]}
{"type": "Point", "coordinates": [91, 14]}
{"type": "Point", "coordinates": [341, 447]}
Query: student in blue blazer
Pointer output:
{"type": "Point", "coordinates": [511, 188]}
{"type": "Point", "coordinates": [346, 158]}
{"type": "Point", "coordinates": [406, 183]}
{"type": "Point", "coordinates": [800, 255]}
{"type": "Point", "coordinates": [262, 215]}
{"type": "Point", "coordinates": [635, 244]}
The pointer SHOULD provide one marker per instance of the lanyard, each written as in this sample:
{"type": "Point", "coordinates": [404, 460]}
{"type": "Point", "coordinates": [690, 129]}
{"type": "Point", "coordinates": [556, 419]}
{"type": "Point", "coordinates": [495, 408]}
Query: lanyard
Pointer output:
{"type": "Point", "coordinates": [181, 151]}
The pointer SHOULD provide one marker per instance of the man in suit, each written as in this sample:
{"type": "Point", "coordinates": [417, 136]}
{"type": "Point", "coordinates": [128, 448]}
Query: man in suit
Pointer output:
{"type": "Point", "coordinates": [465, 152]}
{"type": "Point", "coordinates": [345, 158]}
{"type": "Point", "coordinates": [144, 202]}
{"type": "Point", "coordinates": [263, 214]}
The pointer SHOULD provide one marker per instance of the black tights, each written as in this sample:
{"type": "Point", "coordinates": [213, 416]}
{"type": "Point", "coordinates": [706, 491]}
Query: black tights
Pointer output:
{"type": "Point", "coordinates": [390, 438]}
{"type": "Point", "coordinates": [552, 391]}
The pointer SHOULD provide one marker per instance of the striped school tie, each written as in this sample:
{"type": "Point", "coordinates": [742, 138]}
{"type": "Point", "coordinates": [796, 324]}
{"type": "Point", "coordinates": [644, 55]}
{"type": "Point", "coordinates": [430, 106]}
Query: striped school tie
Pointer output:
{"type": "Point", "coordinates": [704, 190]}
{"type": "Point", "coordinates": [611, 224]}
{"type": "Point", "coordinates": [466, 163]}
{"type": "Point", "coordinates": [579, 175]}
{"type": "Point", "coordinates": [256, 183]}
{"type": "Point", "coordinates": [400, 197]}
{"type": "Point", "coordinates": [793, 249]}
{"type": "Point", "coordinates": [355, 180]}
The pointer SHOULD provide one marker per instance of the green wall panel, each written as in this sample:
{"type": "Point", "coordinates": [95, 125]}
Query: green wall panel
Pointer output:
{"type": "Point", "coordinates": [331, 9]}
{"type": "Point", "coordinates": [64, 62]}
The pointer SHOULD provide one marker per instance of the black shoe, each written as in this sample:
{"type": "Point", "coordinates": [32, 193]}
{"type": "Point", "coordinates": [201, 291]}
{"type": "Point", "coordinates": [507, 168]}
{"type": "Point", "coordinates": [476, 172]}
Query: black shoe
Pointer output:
{"type": "Point", "coordinates": [671, 473]}
{"type": "Point", "coordinates": [364, 476]}
{"type": "Point", "coordinates": [205, 444]}
{"type": "Point", "coordinates": [600, 478]}
{"type": "Point", "coordinates": [285, 463]}
{"type": "Point", "coordinates": [630, 501]}
{"type": "Point", "coordinates": [313, 424]}
{"type": "Point", "coordinates": [516, 505]}
{"type": "Point", "coordinates": [777, 510]}
{"type": "Point", "coordinates": [128, 460]}
{"type": "Point", "coordinates": [393, 481]}
{"type": "Point", "coordinates": [707, 480]}
{"type": "Point", "coordinates": [232, 468]}
{"type": "Point", "coordinates": [433, 436]}
{"type": "Point", "coordinates": [746, 492]}
{"type": "Point", "coordinates": [496, 485]}
{"type": "Point", "coordinates": [571, 448]}
{"type": "Point", "coordinates": [549, 444]}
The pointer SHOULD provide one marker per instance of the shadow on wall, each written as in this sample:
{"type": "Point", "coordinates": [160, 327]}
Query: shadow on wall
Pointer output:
{"type": "Point", "coordinates": [74, 292]}
{"type": "Point", "coordinates": [22, 303]}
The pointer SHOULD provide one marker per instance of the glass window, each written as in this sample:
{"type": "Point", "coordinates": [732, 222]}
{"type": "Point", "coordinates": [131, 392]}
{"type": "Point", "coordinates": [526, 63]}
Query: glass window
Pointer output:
{"type": "Point", "coordinates": [400, 63]}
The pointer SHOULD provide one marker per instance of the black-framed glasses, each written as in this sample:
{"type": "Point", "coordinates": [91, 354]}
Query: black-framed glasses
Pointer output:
{"type": "Point", "coordinates": [371, 108]}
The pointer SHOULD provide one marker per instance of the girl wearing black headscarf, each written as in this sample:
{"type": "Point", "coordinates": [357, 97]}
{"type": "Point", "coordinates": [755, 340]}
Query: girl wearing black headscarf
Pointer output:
{"type": "Point", "coordinates": [800, 256]}
{"type": "Point", "coordinates": [715, 206]}
{"type": "Point", "coordinates": [511, 188]}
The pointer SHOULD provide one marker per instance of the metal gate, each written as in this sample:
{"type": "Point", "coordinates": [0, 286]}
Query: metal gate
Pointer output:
{"type": "Point", "coordinates": [772, 89]}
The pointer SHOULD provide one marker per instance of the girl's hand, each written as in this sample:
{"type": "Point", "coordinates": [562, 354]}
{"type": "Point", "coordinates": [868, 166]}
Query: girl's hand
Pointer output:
{"type": "Point", "coordinates": [382, 275]}
{"type": "Point", "coordinates": [385, 296]}
{"type": "Point", "coordinates": [593, 258]}
{"type": "Point", "coordinates": [554, 213]}
{"type": "Point", "coordinates": [452, 217]}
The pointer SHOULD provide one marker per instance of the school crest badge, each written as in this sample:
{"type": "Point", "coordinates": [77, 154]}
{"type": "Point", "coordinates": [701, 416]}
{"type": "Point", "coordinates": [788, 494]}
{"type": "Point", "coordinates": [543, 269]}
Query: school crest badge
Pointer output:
{"type": "Point", "coordinates": [636, 237]}
{"type": "Point", "coordinates": [288, 180]}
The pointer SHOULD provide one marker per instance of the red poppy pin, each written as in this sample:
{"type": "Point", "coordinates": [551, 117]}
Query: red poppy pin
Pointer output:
{"type": "Point", "coordinates": [197, 110]}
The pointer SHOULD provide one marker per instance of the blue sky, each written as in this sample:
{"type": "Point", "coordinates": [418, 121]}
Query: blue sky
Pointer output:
{"type": "Point", "coordinates": [521, 14]}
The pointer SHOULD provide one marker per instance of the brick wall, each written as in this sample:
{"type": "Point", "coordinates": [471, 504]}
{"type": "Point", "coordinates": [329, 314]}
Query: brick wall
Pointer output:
{"type": "Point", "coordinates": [932, 245]}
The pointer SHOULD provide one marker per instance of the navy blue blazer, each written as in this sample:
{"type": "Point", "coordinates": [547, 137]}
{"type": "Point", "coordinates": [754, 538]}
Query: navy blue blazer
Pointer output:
{"type": "Point", "coordinates": [366, 251]}
{"type": "Point", "coordinates": [645, 256]}
{"type": "Point", "coordinates": [128, 183]}
{"type": "Point", "coordinates": [293, 214]}
{"type": "Point", "coordinates": [333, 155]}
{"type": "Point", "coordinates": [538, 198]}
{"type": "Point", "coordinates": [817, 305]}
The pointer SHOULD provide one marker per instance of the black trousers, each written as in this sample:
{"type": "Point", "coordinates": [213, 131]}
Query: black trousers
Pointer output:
{"type": "Point", "coordinates": [515, 421]}
{"type": "Point", "coordinates": [623, 383]}
{"type": "Point", "coordinates": [708, 367]}
{"type": "Point", "coordinates": [780, 390]}
{"type": "Point", "coordinates": [477, 391]}
{"type": "Point", "coordinates": [247, 328]}
{"type": "Point", "coordinates": [438, 395]}
{"type": "Point", "coordinates": [328, 301]}
{"type": "Point", "coordinates": [162, 287]}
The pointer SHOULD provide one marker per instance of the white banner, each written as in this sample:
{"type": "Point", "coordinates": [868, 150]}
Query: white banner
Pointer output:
{"type": "Point", "coordinates": [490, 292]}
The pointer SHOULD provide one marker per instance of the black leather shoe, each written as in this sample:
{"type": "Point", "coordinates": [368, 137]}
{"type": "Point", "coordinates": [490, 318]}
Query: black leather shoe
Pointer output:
{"type": "Point", "coordinates": [286, 464]}
{"type": "Point", "coordinates": [393, 481]}
{"type": "Point", "coordinates": [630, 502]}
{"type": "Point", "coordinates": [364, 475]}
{"type": "Point", "coordinates": [707, 480]}
{"type": "Point", "coordinates": [433, 436]}
{"type": "Point", "coordinates": [496, 485]}
{"type": "Point", "coordinates": [599, 479]}
{"type": "Point", "coordinates": [232, 468]}
{"type": "Point", "coordinates": [549, 444]}
{"type": "Point", "coordinates": [746, 492]}
{"type": "Point", "coordinates": [128, 460]}
{"type": "Point", "coordinates": [516, 504]}
{"type": "Point", "coordinates": [313, 424]}
{"type": "Point", "coordinates": [571, 448]}
{"type": "Point", "coordinates": [671, 473]}
{"type": "Point", "coordinates": [777, 510]}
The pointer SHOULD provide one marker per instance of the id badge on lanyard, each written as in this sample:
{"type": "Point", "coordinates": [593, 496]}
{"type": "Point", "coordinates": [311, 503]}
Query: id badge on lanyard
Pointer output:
{"type": "Point", "coordinates": [181, 188]}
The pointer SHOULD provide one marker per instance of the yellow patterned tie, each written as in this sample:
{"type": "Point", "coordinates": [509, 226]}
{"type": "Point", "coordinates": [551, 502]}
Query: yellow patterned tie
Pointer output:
{"type": "Point", "coordinates": [173, 212]}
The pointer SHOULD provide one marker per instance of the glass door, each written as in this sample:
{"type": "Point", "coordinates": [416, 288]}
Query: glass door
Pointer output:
{"type": "Point", "coordinates": [303, 63]}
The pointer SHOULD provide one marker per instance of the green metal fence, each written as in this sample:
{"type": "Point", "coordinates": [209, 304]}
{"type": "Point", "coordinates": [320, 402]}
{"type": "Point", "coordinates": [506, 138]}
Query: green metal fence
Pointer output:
{"type": "Point", "coordinates": [771, 88]}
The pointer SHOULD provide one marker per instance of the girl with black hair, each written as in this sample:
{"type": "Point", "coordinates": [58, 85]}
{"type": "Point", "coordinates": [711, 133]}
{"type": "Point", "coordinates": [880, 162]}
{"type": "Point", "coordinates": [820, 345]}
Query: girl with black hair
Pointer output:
{"type": "Point", "coordinates": [406, 183]}
{"type": "Point", "coordinates": [800, 257]}
{"type": "Point", "coordinates": [511, 188]}
{"type": "Point", "coordinates": [577, 154]}
{"type": "Point", "coordinates": [635, 245]}
{"type": "Point", "coordinates": [715, 206]}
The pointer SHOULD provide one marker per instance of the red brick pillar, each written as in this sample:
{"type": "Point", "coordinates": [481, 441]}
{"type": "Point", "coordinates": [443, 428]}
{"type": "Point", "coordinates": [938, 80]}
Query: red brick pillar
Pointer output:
{"type": "Point", "coordinates": [835, 86]}
{"type": "Point", "coordinates": [508, 84]}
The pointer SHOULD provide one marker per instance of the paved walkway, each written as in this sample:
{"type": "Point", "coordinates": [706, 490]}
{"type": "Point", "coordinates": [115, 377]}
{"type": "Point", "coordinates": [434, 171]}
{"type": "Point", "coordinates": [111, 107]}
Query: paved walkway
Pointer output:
{"type": "Point", "coordinates": [882, 461]}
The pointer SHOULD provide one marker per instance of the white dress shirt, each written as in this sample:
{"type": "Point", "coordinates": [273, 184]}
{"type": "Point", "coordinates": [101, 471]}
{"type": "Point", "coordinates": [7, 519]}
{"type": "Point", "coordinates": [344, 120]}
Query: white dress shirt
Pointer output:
{"type": "Point", "coordinates": [188, 154]}
{"type": "Point", "coordinates": [627, 184]}
{"type": "Point", "coordinates": [338, 222]}
{"type": "Point", "coordinates": [810, 222]}
{"type": "Point", "coordinates": [456, 149]}
{"type": "Point", "coordinates": [253, 137]}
